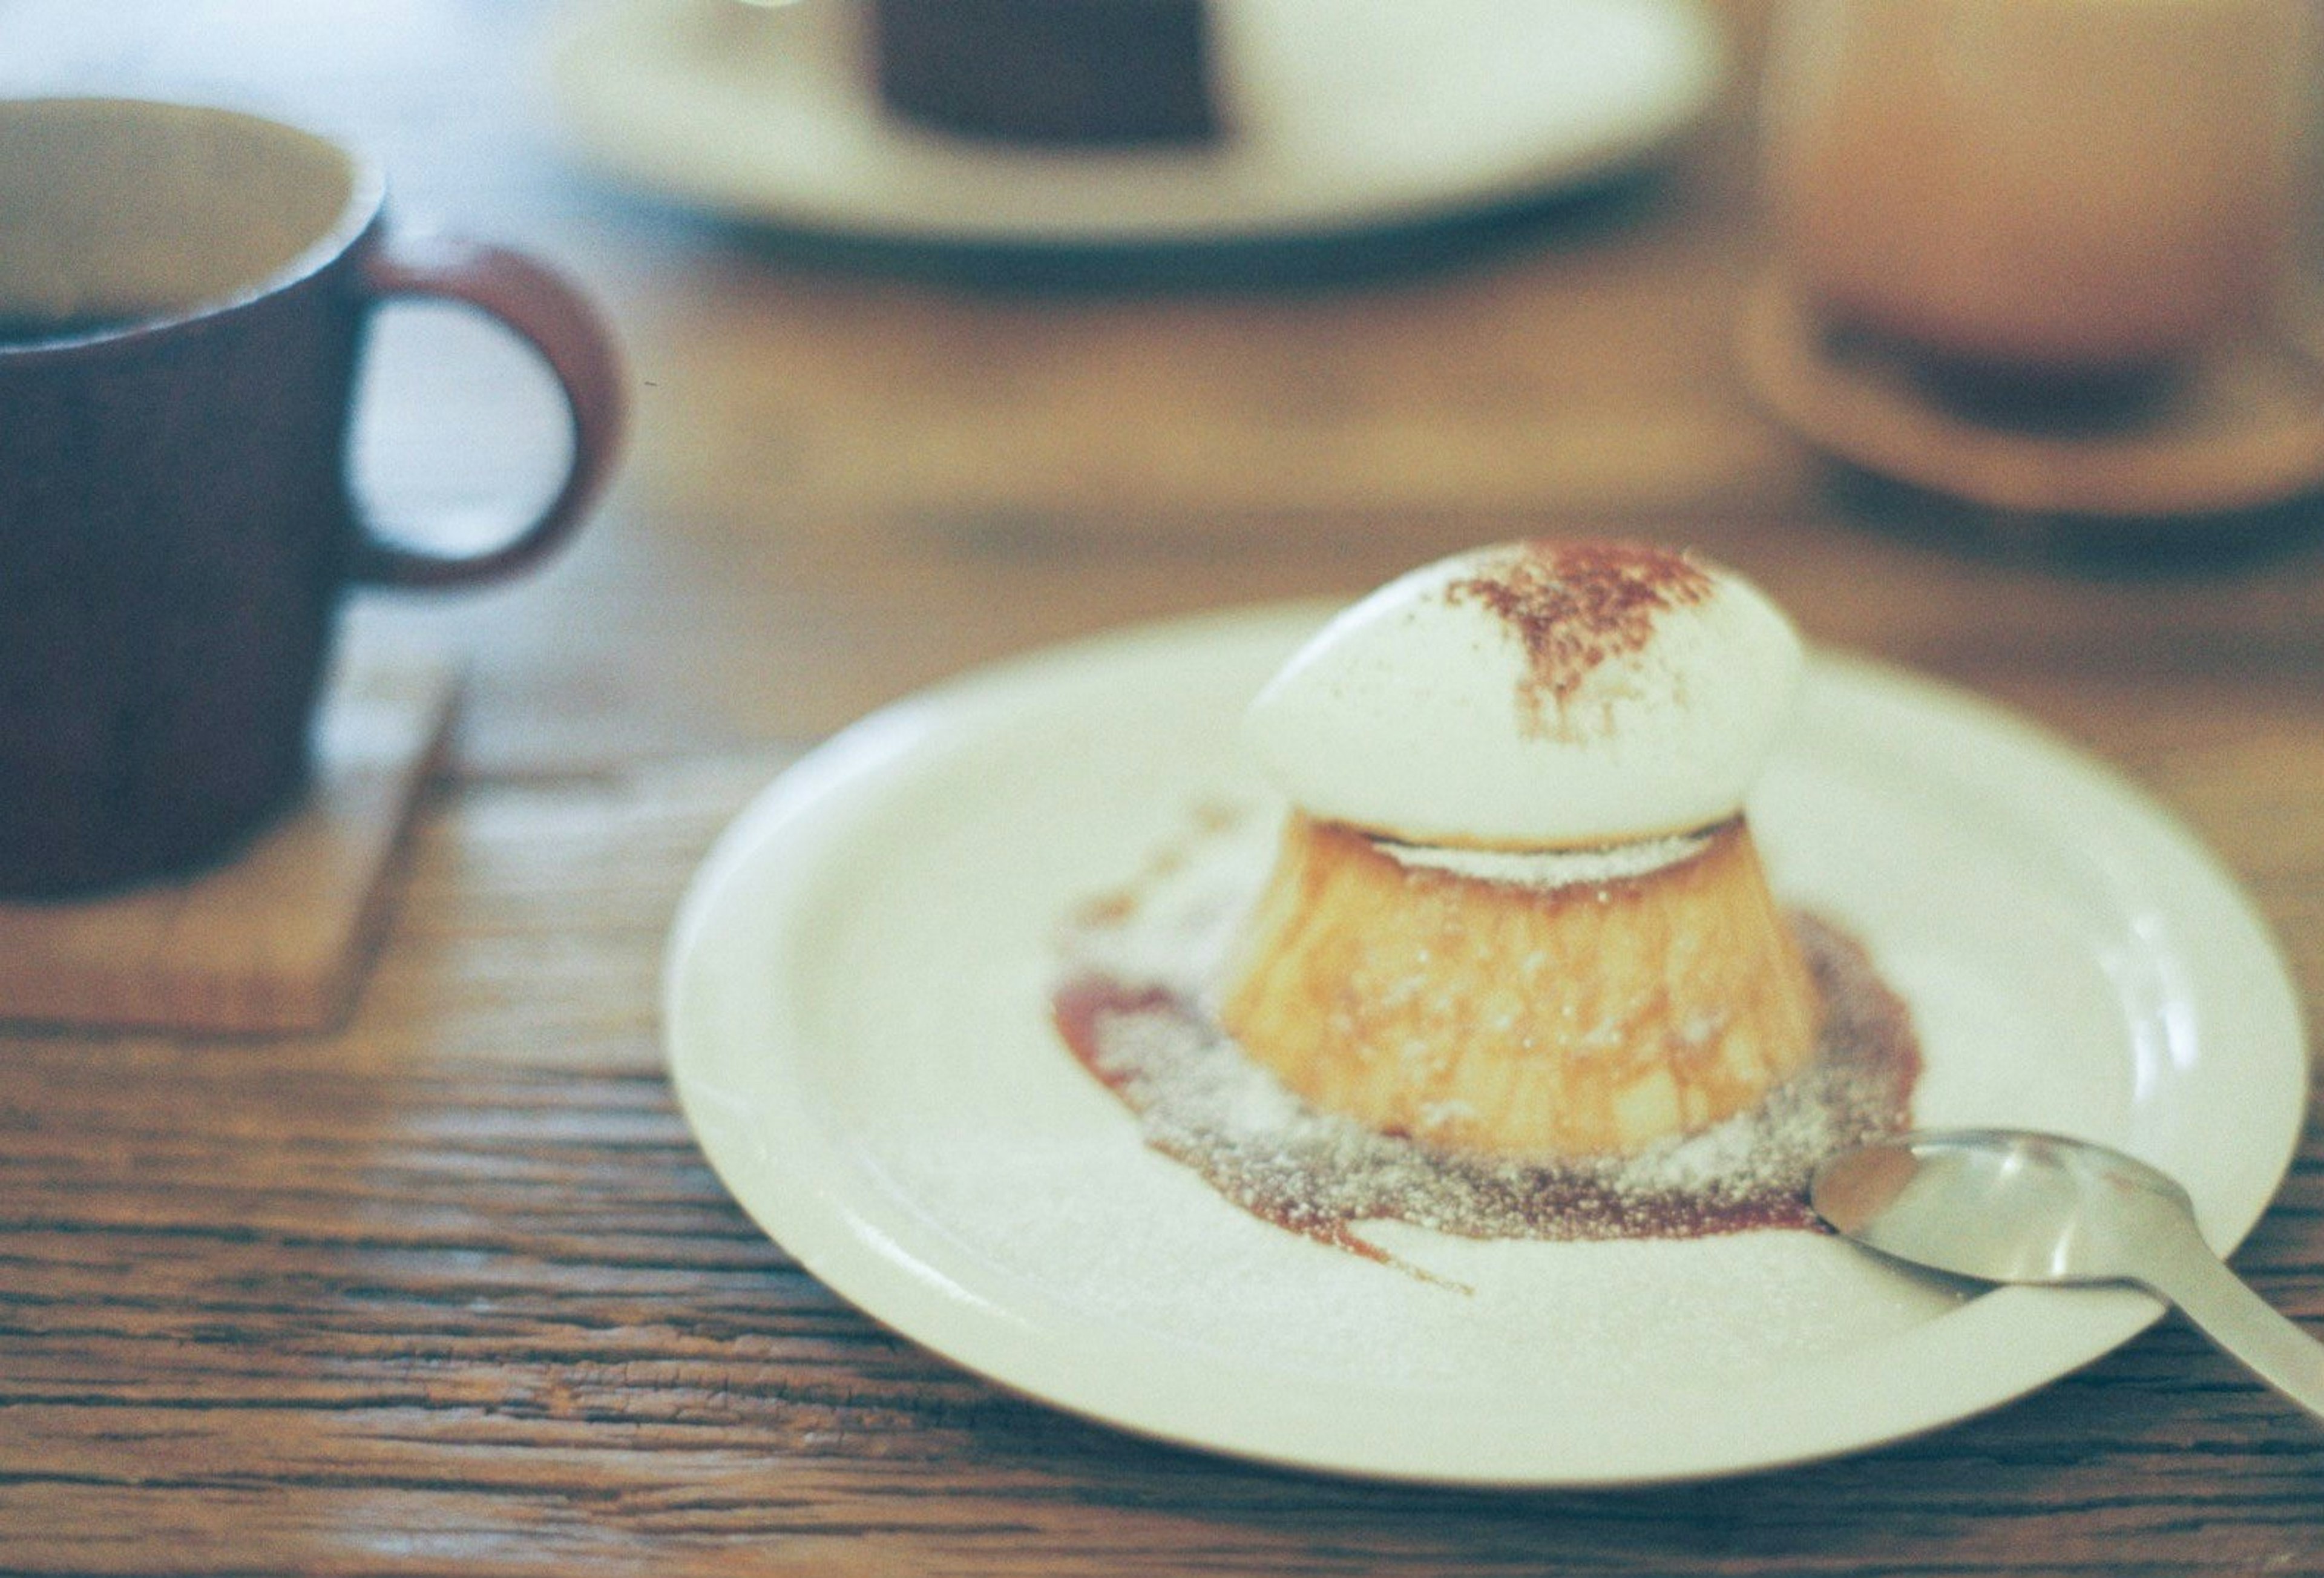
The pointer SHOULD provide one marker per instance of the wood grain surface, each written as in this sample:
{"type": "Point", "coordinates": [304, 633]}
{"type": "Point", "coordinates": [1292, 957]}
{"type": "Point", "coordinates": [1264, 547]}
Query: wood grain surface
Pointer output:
{"type": "Point", "coordinates": [278, 937]}
{"type": "Point", "coordinates": [449, 1290]}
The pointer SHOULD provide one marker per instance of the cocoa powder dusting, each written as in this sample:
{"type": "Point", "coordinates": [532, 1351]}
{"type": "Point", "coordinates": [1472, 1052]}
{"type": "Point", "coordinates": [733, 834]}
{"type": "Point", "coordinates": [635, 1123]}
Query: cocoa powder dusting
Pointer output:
{"type": "Point", "coordinates": [1576, 605]}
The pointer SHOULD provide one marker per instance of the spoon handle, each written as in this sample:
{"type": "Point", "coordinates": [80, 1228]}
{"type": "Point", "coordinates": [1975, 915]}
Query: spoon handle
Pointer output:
{"type": "Point", "coordinates": [2224, 1308]}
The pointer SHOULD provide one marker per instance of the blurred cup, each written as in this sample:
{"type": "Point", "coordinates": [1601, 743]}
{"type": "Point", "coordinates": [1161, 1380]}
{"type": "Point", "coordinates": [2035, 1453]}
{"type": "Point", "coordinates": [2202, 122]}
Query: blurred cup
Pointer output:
{"type": "Point", "coordinates": [184, 293]}
{"type": "Point", "coordinates": [2037, 190]}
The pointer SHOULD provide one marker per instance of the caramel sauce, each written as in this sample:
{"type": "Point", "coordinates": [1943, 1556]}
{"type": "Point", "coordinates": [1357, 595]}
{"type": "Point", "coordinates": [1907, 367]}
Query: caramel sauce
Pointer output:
{"type": "Point", "coordinates": [1204, 1102]}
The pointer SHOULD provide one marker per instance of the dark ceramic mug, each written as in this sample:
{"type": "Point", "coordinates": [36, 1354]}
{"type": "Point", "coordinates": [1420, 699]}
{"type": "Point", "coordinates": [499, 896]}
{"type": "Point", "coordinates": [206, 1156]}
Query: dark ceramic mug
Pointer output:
{"type": "Point", "coordinates": [183, 294]}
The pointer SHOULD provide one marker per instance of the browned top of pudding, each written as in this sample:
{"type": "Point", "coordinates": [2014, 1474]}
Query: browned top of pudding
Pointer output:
{"type": "Point", "coordinates": [1578, 605]}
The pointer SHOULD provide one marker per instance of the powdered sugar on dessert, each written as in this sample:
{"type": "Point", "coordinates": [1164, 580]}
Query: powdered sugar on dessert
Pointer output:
{"type": "Point", "coordinates": [1534, 694]}
{"type": "Point", "coordinates": [1133, 1006]}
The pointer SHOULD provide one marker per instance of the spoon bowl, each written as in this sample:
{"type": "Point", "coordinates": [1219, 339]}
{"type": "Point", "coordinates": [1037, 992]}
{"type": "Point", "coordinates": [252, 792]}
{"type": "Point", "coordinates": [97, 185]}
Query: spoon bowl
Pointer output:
{"type": "Point", "coordinates": [2004, 1205]}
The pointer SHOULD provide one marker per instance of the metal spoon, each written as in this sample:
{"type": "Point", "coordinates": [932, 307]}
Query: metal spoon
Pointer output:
{"type": "Point", "coordinates": [2005, 1207]}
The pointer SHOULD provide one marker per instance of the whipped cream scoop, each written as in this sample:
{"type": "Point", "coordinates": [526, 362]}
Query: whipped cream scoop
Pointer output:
{"type": "Point", "coordinates": [1535, 695]}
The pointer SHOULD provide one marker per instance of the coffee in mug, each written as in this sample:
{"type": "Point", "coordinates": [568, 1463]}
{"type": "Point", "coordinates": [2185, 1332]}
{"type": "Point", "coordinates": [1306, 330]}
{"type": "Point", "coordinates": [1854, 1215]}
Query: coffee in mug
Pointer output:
{"type": "Point", "coordinates": [183, 293]}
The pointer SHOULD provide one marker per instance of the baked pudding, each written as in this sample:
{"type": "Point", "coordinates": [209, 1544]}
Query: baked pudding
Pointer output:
{"type": "Point", "coordinates": [1515, 910]}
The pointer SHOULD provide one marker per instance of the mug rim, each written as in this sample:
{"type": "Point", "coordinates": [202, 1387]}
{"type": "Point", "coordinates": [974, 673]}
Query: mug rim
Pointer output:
{"type": "Point", "coordinates": [358, 215]}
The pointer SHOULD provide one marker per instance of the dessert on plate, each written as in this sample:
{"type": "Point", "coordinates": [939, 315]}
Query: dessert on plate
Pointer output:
{"type": "Point", "coordinates": [1509, 967]}
{"type": "Point", "coordinates": [1063, 73]}
{"type": "Point", "coordinates": [1516, 910]}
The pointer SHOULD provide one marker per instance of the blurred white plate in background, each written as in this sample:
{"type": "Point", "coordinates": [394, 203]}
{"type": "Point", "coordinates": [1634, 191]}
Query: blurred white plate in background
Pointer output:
{"type": "Point", "coordinates": [1344, 113]}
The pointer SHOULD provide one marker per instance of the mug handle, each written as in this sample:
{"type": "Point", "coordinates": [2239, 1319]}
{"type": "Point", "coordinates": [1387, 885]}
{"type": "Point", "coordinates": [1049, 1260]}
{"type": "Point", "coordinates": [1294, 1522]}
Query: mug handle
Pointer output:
{"type": "Point", "coordinates": [542, 309]}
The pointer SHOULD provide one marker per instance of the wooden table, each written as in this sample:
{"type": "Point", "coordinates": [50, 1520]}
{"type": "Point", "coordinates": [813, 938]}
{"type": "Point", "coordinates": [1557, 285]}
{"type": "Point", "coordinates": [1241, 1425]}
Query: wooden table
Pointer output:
{"type": "Point", "coordinates": [450, 1290]}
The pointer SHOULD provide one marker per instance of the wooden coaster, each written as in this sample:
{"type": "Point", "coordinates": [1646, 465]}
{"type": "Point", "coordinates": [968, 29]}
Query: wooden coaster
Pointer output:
{"type": "Point", "coordinates": [2242, 429]}
{"type": "Point", "coordinates": [277, 940]}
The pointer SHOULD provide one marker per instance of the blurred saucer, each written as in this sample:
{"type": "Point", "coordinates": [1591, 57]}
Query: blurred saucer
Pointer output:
{"type": "Point", "coordinates": [1341, 115]}
{"type": "Point", "coordinates": [2241, 429]}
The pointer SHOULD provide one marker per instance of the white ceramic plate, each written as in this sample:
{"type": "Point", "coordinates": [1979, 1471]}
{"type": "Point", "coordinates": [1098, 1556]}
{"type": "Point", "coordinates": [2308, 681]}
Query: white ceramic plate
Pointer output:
{"type": "Point", "coordinates": [858, 1030]}
{"type": "Point", "coordinates": [1347, 113]}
